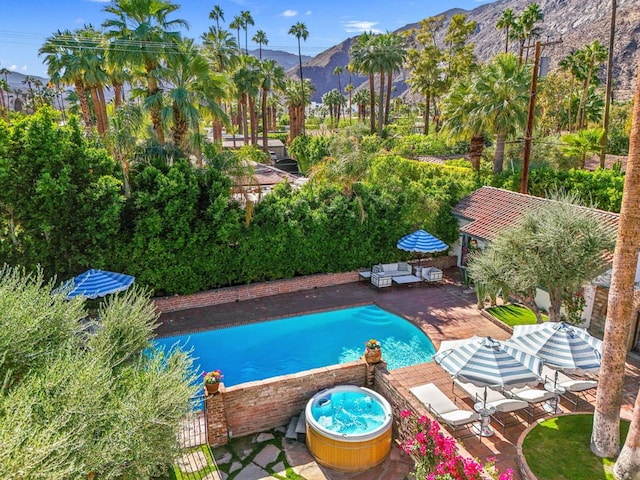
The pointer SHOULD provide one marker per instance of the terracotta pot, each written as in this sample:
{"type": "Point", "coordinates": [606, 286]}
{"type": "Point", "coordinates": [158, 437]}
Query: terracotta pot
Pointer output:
{"type": "Point", "coordinates": [211, 388]}
{"type": "Point", "coordinates": [373, 355]}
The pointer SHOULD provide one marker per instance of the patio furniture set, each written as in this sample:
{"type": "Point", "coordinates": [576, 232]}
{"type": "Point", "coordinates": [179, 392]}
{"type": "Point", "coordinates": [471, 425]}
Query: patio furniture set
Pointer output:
{"type": "Point", "coordinates": [522, 374]}
{"type": "Point", "coordinates": [400, 273]}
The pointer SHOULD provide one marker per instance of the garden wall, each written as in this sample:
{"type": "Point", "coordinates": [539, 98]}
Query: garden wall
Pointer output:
{"type": "Point", "coordinates": [255, 407]}
{"type": "Point", "coordinates": [275, 287]}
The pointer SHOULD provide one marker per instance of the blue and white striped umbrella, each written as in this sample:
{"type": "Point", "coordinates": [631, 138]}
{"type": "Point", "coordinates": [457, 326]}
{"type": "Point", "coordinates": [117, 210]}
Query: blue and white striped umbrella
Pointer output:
{"type": "Point", "coordinates": [560, 345]}
{"type": "Point", "coordinates": [421, 242]}
{"type": "Point", "coordinates": [96, 283]}
{"type": "Point", "coordinates": [486, 362]}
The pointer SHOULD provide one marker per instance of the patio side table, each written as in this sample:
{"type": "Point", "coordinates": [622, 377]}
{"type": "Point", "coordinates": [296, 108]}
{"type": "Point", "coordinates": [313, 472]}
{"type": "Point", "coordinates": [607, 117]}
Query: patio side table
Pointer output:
{"type": "Point", "coordinates": [483, 428]}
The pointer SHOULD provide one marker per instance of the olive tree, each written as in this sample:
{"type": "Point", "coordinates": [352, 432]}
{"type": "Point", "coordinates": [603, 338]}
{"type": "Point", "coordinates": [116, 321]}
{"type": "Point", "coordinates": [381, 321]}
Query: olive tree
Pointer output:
{"type": "Point", "coordinates": [83, 400]}
{"type": "Point", "coordinates": [558, 247]}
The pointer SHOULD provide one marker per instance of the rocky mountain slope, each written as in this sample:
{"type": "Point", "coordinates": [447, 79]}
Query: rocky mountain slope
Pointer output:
{"type": "Point", "coordinates": [575, 22]}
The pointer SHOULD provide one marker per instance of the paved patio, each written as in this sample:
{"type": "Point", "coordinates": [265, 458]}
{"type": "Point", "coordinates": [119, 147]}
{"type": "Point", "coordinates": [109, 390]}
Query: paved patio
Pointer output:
{"type": "Point", "coordinates": [442, 312]}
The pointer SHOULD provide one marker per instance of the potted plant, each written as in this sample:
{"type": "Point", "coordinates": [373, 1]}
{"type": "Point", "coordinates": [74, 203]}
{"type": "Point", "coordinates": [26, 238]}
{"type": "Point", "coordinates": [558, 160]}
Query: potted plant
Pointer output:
{"type": "Point", "coordinates": [373, 351]}
{"type": "Point", "coordinates": [212, 381]}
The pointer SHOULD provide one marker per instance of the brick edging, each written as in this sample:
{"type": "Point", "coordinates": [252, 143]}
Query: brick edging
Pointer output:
{"type": "Point", "coordinates": [495, 321]}
{"type": "Point", "coordinates": [254, 290]}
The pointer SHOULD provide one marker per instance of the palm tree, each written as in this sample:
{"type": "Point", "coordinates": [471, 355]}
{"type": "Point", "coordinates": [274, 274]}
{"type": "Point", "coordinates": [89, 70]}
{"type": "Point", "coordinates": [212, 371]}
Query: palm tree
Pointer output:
{"type": "Point", "coordinates": [590, 56]}
{"type": "Point", "coordinates": [236, 24]}
{"type": "Point", "coordinates": [526, 28]}
{"type": "Point", "coordinates": [246, 79]}
{"type": "Point", "coordinates": [261, 39]}
{"type": "Point", "coordinates": [272, 77]}
{"type": "Point", "coordinates": [296, 97]}
{"type": "Point", "coordinates": [140, 36]}
{"type": "Point", "coordinates": [572, 65]}
{"type": "Point", "coordinates": [581, 144]}
{"type": "Point", "coordinates": [362, 62]}
{"type": "Point", "coordinates": [506, 21]}
{"type": "Point", "coordinates": [299, 30]}
{"type": "Point", "coordinates": [503, 90]}
{"type": "Point", "coordinates": [217, 14]}
{"type": "Point", "coordinates": [462, 119]}
{"type": "Point", "coordinates": [193, 87]}
{"type": "Point", "coordinates": [121, 138]}
{"type": "Point", "coordinates": [605, 438]}
{"type": "Point", "coordinates": [65, 67]}
{"type": "Point", "coordinates": [362, 100]}
{"type": "Point", "coordinates": [246, 20]}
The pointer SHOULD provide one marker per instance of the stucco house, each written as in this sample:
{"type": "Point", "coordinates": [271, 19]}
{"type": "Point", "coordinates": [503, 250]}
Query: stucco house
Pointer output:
{"type": "Point", "coordinates": [488, 211]}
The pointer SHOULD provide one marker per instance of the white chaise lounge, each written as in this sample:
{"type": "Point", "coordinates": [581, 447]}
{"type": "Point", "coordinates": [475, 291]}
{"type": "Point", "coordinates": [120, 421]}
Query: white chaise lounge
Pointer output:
{"type": "Point", "coordinates": [578, 388]}
{"type": "Point", "coordinates": [443, 408]}
{"type": "Point", "coordinates": [504, 406]}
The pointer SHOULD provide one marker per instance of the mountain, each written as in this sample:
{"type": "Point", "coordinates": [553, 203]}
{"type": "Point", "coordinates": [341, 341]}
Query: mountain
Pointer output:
{"type": "Point", "coordinates": [285, 59]}
{"type": "Point", "coordinates": [574, 22]}
{"type": "Point", "coordinates": [16, 81]}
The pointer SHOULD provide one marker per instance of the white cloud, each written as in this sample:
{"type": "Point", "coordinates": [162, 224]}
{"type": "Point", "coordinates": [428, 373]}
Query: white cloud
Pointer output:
{"type": "Point", "coordinates": [79, 20]}
{"type": "Point", "coordinates": [23, 68]}
{"type": "Point", "coordinates": [289, 13]}
{"type": "Point", "coordinates": [356, 26]}
{"type": "Point", "coordinates": [308, 12]}
{"type": "Point", "coordinates": [13, 67]}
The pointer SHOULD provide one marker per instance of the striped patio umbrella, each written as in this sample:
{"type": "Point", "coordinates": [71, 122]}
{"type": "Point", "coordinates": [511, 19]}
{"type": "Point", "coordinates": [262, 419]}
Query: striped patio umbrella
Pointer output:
{"type": "Point", "coordinates": [560, 346]}
{"type": "Point", "coordinates": [421, 242]}
{"type": "Point", "coordinates": [96, 283]}
{"type": "Point", "coordinates": [486, 362]}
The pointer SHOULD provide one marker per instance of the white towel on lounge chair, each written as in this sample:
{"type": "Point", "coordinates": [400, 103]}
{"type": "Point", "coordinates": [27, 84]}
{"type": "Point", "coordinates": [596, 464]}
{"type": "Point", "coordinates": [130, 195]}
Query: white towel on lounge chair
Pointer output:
{"type": "Point", "coordinates": [442, 407]}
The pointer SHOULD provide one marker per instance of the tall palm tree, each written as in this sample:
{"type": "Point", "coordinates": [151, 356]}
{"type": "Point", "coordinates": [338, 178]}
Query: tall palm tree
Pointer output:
{"type": "Point", "coordinates": [590, 56]}
{"type": "Point", "coordinates": [572, 65]}
{"type": "Point", "coordinates": [217, 14]}
{"type": "Point", "coordinates": [261, 39]}
{"type": "Point", "coordinates": [65, 67]}
{"type": "Point", "coordinates": [246, 20]}
{"type": "Point", "coordinates": [338, 71]}
{"type": "Point", "coordinates": [299, 30]}
{"type": "Point", "coordinates": [526, 27]}
{"type": "Point", "coordinates": [236, 25]}
{"type": "Point", "coordinates": [246, 79]}
{"type": "Point", "coordinates": [140, 36]}
{"type": "Point", "coordinates": [506, 22]}
{"type": "Point", "coordinates": [605, 438]}
{"type": "Point", "coordinates": [462, 118]}
{"type": "Point", "coordinates": [193, 88]}
{"type": "Point", "coordinates": [362, 99]}
{"type": "Point", "coordinates": [272, 78]}
{"type": "Point", "coordinates": [296, 97]}
{"type": "Point", "coordinates": [503, 90]}
{"type": "Point", "coordinates": [362, 62]}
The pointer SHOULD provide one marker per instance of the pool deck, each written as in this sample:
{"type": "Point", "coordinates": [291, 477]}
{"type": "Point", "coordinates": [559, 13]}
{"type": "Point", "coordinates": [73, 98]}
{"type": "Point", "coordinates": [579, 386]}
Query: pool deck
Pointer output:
{"type": "Point", "coordinates": [443, 312]}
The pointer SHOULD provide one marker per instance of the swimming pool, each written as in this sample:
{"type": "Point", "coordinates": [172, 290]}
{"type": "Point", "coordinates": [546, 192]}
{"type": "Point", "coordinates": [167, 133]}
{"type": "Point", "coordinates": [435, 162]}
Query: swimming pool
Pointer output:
{"type": "Point", "coordinates": [279, 347]}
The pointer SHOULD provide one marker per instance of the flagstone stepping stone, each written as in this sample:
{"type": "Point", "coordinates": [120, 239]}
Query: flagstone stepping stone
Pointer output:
{"type": "Point", "coordinates": [192, 462]}
{"type": "Point", "coordinates": [235, 466]}
{"type": "Point", "coordinates": [267, 455]}
{"type": "Point", "coordinates": [264, 437]}
{"type": "Point", "coordinates": [223, 459]}
{"type": "Point", "coordinates": [252, 472]}
{"type": "Point", "coordinates": [215, 476]}
{"type": "Point", "coordinates": [279, 469]}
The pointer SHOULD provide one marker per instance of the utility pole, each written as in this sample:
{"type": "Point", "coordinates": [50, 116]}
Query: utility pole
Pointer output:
{"type": "Point", "coordinates": [528, 133]}
{"type": "Point", "coordinates": [609, 87]}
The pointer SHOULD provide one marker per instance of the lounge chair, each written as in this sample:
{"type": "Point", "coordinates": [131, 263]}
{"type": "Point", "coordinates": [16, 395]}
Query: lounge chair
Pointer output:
{"type": "Point", "coordinates": [535, 397]}
{"type": "Point", "coordinates": [577, 388]}
{"type": "Point", "coordinates": [504, 406]}
{"type": "Point", "coordinates": [444, 409]}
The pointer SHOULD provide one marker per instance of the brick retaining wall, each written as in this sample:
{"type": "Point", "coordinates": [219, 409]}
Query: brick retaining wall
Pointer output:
{"type": "Point", "coordinates": [253, 290]}
{"type": "Point", "coordinates": [275, 287]}
{"type": "Point", "coordinates": [255, 407]}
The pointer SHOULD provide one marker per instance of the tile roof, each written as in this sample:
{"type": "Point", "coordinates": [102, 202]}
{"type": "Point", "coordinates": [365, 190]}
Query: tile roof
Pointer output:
{"type": "Point", "coordinates": [491, 210]}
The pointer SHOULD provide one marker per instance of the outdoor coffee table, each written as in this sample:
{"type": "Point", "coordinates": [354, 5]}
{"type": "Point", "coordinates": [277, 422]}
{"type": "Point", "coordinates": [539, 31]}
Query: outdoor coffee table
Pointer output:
{"type": "Point", "coordinates": [406, 279]}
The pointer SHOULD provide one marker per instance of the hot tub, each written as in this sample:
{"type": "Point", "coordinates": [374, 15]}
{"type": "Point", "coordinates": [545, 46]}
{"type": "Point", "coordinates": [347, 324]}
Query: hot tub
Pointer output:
{"type": "Point", "coordinates": [349, 428]}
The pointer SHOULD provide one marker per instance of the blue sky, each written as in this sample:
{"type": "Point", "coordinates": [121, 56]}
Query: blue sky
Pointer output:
{"type": "Point", "coordinates": [25, 24]}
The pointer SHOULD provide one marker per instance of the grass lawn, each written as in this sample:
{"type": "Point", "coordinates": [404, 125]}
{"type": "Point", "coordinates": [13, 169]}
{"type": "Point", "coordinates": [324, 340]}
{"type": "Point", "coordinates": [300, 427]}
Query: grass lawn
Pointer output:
{"type": "Point", "coordinates": [513, 315]}
{"type": "Point", "coordinates": [558, 449]}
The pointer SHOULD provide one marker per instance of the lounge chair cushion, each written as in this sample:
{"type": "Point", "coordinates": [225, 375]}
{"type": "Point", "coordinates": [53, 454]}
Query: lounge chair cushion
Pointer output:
{"type": "Point", "coordinates": [571, 384]}
{"type": "Point", "coordinates": [496, 399]}
{"type": "Point", "coordinates": [531, 395]}
{"type": "Point", "coordinates": [443, 407]}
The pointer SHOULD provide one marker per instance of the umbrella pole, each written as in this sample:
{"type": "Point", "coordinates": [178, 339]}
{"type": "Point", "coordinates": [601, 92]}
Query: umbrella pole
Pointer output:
{"type": "Point", "coordinates": [484, 405]}
{"type": "Point", "coordinates": [555, 380]}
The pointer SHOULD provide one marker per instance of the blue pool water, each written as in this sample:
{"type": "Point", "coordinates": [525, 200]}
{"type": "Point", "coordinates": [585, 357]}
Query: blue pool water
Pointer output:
{"type": "Point", "coordinates": [278, 347]}
{"type": "Point", "coordinates": [349, 413]}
